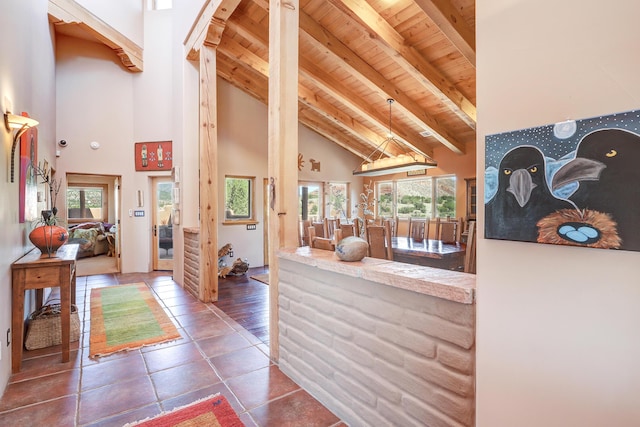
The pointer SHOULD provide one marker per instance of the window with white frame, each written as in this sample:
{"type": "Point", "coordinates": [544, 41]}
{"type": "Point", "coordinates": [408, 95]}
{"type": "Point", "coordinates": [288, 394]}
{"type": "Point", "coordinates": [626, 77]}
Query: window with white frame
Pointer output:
{"type": "Point", "coordinates": [338, 200]}
{"type": "Point", "coordinates": [86, 202]}
{"type": "Point", "coordinates": [310, 198]}
{"type": "Point", "coordinates": [417, 198]}
{"type": "Point", "coordinates": [445, 196]}
{"type": "Point", "coordinates": [385, 199]}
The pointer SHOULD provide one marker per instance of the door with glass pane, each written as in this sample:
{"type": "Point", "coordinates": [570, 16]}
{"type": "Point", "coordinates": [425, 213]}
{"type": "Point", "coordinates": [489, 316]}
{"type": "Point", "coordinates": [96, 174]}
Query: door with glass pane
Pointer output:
{"type": "Point", "coordinates": [162, 223]}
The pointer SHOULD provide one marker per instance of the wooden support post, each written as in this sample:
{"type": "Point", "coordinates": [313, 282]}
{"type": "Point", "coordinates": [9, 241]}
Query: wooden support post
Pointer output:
{"type": "Point", "coordinates": [208, 176]}
{"type": "Point", "coordinates": [283, 144]}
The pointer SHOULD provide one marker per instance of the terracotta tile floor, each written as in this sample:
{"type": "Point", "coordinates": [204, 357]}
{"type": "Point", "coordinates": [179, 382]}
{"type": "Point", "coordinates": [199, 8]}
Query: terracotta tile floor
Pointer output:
{"type": "Point", "coordinates": [214, 355]}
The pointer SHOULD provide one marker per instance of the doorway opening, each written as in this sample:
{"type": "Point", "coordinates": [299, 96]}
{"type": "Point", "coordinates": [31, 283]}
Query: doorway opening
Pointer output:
{"type": "Point", "coordinates": [93, 218]}
{"type": "Point", "coordinates": [162, 203]}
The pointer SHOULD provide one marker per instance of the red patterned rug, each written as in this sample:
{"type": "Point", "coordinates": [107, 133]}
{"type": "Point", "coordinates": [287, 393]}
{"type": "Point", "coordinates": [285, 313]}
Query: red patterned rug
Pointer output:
{"type": "Point", "coordinates": [212, 411]}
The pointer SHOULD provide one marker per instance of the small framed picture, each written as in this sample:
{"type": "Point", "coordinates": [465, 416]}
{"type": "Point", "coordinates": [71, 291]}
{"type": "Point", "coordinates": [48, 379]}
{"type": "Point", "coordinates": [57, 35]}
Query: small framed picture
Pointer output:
{"type": "Point", "coordinates": [417, 172]}
{"type": "Point", "coordinates": [153, 156]}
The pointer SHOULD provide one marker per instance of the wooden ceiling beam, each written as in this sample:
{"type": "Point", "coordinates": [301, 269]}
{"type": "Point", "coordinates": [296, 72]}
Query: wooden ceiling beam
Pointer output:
{"type": "Point", "coordinates": [356, 129]}
{"type": "Point", "coordinates": [332, 135]}
{"type": "Point", "coordinates": [241, 55]}
{"type": "Point", "coordinates": [237, 53]}
{"type": "Point", "coordinates": [251, 83]}
{"type": "Point", "coordinates": [388, 40]}
{"type": "Point", "coordinates": [68, 13]}
{"type": "Point", "coordinates": [451, 23]}
{"type": "Point", "coordinates": [353, 102]}
{"type": "Point", "coordinates": [336, 90]}
{"type": "Point", "coordinates": [369, 76]}
{"type": "Point", "coordinates": [375, 81]}
{"type": "Point", "coordinates": [254, 81]}
{"type": "Point", "coordinates": [208, 26]}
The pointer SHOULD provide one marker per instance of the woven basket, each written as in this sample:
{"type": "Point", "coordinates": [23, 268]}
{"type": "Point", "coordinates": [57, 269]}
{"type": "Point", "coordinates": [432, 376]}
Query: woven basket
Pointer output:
{"type": "Point", "coordinates": [44, 328]}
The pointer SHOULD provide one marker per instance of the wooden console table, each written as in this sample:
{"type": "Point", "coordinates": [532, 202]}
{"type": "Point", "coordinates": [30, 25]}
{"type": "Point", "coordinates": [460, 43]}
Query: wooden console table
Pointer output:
{"type": "Point", "coordinates": [33, 271]}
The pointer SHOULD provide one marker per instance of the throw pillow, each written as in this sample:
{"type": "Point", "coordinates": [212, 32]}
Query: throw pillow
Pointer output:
{"type": "Point", "coordinates": [90, 235]}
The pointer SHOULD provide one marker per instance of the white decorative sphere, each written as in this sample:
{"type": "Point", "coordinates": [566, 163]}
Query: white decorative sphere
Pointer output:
{"type": "Point", "coordinates": [352, 248]}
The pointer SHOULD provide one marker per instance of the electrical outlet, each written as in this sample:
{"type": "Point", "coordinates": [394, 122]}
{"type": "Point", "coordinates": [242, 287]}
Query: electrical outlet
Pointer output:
{"type": "Point", "coordinates": [251, 226]}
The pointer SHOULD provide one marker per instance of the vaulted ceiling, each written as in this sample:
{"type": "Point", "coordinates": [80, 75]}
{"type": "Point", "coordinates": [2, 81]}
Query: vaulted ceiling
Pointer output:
{"type": "Point", "coordinates": [354, 55]}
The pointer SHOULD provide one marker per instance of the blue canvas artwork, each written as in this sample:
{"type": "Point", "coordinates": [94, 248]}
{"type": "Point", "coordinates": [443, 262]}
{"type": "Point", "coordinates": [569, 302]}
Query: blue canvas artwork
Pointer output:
{"type": "Point", "coordinates": [570, 183]}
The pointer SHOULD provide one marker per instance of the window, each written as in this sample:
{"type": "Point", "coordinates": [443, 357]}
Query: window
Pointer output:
{"type": "Point", "coordinates": [414, 198]}
{"type": "Point", "coordinates": [337, 200]}
{"type": "Point", "coordinates": [417, 198]}
{"type": "Point", "coordinates": [160, 4]}
{"type": "Point", "coordinates": [86, 202]}
{"type": "Point", "coordinates": [238, 198]}
{"type": "Point", "coordinates": [310, 201]}
{"type": "Point", "coordinates": [445, 196]}
{"type": "Point", "coordinates": [385, 200]}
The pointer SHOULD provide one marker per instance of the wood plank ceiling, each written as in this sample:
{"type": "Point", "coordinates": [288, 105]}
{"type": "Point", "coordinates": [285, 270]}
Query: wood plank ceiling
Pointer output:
{"type": "Point", "coordinates": [356, 54]}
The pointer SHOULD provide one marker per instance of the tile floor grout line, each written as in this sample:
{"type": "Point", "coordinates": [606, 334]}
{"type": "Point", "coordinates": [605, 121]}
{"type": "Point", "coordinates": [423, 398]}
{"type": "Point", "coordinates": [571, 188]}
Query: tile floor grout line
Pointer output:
{"type": "Point", "coordinates": [81, 351]}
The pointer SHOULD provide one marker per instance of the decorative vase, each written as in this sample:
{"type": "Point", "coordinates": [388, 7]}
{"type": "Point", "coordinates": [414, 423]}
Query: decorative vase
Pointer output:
{"type": "Point", "coordinates": [352, 249]}
{"type": "Point", "coordinates": [48, 238]}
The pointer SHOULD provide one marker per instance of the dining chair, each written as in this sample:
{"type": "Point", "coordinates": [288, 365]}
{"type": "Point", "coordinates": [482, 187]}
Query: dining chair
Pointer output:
{"type": "Point", "coordinates": [347, 230]}
{"type": "Point", "coordinates": [304, 232]}
{"type": "Point", "coordinates": [379, 239]}
{"type": "Point", "coordinates": [320, 242]}
{"type": "Point", "coordinates": [470, 252]}
{"type": "Point", "coordinates": [330, 225]}
{"type": "Point", "coordinates": [418, 229]}
{"type": "Point", "coordinates": [446, 230]}
{"type": "Point", "coordinates": [402, 227]}
{"type": "Point", "coordinates": [388, 234]}
{"type": "Point", "coordinates": [318, 228]}
{"type": "Point", "coordinates": [394, 225]}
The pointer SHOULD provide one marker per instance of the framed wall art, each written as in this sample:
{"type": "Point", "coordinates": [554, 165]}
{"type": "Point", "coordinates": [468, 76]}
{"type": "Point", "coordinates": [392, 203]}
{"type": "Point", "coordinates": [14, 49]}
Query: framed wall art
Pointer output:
{"type": "Point", "coordinates": [153, 156]}
{"type": "Point", "coordinates": [570, 183]}
{"type": "Point", "coordinates": [28, 181]}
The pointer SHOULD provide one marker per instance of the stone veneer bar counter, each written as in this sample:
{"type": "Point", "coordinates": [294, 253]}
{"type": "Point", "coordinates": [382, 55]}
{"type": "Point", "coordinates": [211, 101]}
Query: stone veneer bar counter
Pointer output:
{"type": "Point", "coordinates": [379, 342]}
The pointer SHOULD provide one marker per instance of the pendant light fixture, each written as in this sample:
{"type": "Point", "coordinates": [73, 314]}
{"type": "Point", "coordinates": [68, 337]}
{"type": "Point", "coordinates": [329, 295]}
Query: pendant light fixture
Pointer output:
{"type": "Point", "coordinates": [376, 164]}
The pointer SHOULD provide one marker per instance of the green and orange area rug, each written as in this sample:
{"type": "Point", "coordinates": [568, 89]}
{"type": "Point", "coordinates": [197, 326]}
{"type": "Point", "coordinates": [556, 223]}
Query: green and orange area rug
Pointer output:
{"type": "Point", "coordinates": [213, 411]}
{"type": "Point", "coordinates": [126, 317]}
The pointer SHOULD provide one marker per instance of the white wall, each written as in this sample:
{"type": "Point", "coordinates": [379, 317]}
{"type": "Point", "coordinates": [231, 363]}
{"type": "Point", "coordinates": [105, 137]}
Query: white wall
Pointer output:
{"type": "Point", "coordinates": [95, 103]}
{"type": "Point", "coordinates": [557, 341]}
{"type": "Point", "coordinates": [103, 102]}
{"type": "Point", "coordinates": [26, 84]}
{"type": "Point", "coordinates": [126, 18]}
{"type": "Point", "coordinates": [98, 100]}
{"type": "Point", "coordinates": [243, 143]}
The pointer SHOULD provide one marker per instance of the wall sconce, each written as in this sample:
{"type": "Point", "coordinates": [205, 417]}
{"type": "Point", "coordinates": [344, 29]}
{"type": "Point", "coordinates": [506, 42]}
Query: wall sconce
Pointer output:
{"type": "Point", "coordinates": [22, 123]}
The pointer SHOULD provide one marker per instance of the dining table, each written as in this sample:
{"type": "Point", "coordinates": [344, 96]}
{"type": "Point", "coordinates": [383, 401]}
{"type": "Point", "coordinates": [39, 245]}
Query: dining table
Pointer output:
{"type": "Point", "coordinates": [429, 252]}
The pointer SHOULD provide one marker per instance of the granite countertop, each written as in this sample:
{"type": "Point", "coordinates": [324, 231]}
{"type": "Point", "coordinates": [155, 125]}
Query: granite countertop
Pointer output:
{"type": "Point", "coordinates": [450, 285]}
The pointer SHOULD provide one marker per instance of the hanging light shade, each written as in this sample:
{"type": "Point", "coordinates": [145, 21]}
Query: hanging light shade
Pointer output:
{"type": "Point", "coordinates": [376, 164]}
